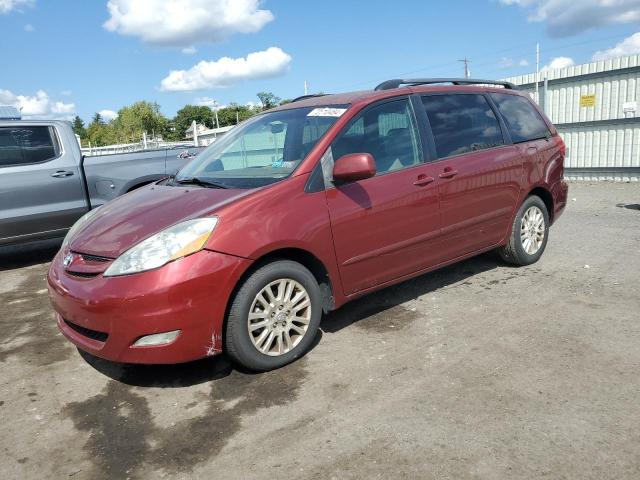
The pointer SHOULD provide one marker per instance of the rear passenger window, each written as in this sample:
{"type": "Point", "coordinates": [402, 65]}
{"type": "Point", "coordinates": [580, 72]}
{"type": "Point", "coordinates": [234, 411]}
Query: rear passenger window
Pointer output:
{"type": "Point", "coordinates": [387, 131]}
{"type": "Point", "coordinates": [522, 119]}
{"type": "Point", "coordinates": [462, 123]}
{"type": "Point", "coordinates": [26, 145]}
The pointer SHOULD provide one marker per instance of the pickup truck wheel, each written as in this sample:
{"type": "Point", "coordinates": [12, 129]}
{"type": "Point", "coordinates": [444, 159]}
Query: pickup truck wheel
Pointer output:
{"type": "Point", "coordinates": [274, 316]}
{"type": "Point", "coordinates": [529, 233]}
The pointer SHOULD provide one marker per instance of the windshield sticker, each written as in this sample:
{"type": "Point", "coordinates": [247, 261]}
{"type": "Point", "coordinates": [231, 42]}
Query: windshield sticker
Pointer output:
{"type": "Point", "coordinates": [277, 164]}
{"type": "Point", "coordinates": [326, 112]}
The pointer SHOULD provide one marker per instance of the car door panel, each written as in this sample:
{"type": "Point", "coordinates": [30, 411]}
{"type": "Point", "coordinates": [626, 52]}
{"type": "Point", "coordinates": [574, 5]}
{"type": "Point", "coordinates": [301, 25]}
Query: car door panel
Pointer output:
{"type": "Point", "coordinates": [476, 205]}
{"type": "Point", "coordinates": [39, 200]}
{"type": "Point", "coordinates": [479, 171]}
{"type": "Point", "coordinates": [384, 227]}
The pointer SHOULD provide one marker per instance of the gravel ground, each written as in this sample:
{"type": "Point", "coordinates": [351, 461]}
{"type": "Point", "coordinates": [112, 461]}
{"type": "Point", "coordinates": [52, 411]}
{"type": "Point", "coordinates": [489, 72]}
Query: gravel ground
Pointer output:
{"type": "Point", "coordinates": [479, 370]}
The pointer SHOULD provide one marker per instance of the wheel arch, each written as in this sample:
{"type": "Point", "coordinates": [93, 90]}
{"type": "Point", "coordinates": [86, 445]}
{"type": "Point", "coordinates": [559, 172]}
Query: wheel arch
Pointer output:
{"type": "Point", "coordinates": [299, 255]}
{"type": "Point", "coordinates": [546, 197]}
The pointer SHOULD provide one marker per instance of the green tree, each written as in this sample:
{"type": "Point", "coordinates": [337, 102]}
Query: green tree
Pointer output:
{"type": "Point", "coordinates": [187, 114]}
{"type": "Point", "coordinates": [234, 113]}
{"type": "Point", "coordinates": [132, 121]}
{"type": "Point", "coordinates": [99, 133]}
{"type": "Point", "coordinates": [268, 100]}
{"type": "Point", "coordinates": [78, 127]}
{"type": "Point", "coordinates": [97, 118]}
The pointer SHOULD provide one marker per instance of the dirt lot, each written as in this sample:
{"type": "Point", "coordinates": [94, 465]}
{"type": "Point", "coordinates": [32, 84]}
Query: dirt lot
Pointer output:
{"type": "Point", "coordinates": [479, 370]}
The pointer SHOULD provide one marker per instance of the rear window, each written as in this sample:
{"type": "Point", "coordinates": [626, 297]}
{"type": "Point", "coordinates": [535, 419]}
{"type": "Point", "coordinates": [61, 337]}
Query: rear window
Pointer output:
{"type": "Point", "coordinates": [522, 119]}
{"type": "Point", "coordinates": [26, 145]}
{"type": "Point", "coordinates": [462, 123]}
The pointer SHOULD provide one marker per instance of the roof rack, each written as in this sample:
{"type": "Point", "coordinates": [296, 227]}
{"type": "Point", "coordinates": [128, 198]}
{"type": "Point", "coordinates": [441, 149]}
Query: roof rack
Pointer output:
{"type": "Point", "coordinates": [395, 83]}
{"type": "Point", "coordinates": [304, 97]}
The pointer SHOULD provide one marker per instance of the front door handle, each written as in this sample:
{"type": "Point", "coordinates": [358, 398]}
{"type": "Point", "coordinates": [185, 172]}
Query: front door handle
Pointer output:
{"type": "Point", "coordinates": [62, 174]}
{"type": "Point", "coordinates": [423, 180]}
{"type": "Point", "coordinates": [448, 174]}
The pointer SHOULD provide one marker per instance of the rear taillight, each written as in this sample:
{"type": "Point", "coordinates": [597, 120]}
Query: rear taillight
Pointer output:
{"type": "Point", "coordinates": [560, 144]}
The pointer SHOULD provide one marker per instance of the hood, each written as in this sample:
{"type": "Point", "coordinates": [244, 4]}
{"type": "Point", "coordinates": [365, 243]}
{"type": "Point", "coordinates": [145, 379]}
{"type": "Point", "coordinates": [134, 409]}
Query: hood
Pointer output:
{"type": "Point", "coordinates": [125, 221]}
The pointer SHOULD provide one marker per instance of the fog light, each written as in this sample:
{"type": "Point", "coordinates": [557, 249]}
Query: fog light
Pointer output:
{"type": "Point", "coordinates": [157, 339]}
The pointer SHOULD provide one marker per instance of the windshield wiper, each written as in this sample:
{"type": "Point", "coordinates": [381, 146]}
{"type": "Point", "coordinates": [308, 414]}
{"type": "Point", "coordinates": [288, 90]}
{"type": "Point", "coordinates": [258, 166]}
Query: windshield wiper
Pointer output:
{"type": "Point", "coordinates": [198, 181]}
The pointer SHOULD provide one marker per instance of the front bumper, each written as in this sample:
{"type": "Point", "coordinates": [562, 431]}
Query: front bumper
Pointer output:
{"type": "Point", "coordinates": [104, 316]}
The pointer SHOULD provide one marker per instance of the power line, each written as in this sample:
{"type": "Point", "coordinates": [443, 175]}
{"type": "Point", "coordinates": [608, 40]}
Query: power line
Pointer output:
{"type": "Point", "coordinates": [518, 49]}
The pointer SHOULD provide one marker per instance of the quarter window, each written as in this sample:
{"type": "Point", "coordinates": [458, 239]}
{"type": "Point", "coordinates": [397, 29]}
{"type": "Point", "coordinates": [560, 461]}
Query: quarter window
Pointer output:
{"type": "Point", "coordinates": [26, 145]}
{"type": "Point", "coordinates": [462, 123]}
{"type": "Point", "coordinates": [522, 119]}
{"type": "Point", "coordinates": [387, 131]}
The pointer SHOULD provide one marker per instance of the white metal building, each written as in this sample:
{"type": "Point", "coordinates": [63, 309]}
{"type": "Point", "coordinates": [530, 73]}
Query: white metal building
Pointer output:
{"type": "Point", "coordinates": [596, 108]}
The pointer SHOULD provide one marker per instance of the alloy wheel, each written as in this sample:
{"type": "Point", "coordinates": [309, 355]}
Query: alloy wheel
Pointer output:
{"type": "Point", "coordinates": [279, 317]}
{"type": "Point", "coordinates": [532, 230]}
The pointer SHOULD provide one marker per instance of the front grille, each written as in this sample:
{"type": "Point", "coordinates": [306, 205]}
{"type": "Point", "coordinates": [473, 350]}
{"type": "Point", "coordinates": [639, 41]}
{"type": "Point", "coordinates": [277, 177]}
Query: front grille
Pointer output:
{"type": "Point", "coordinates": [87, 332]}
{"type": "Point", "coordinates": [83, 274]}
{"type": "Point", "coordinates": [94, 258]}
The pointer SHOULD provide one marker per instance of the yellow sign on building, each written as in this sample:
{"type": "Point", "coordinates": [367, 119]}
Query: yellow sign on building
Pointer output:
{"type": "Point", "coordinates": [587, 100]}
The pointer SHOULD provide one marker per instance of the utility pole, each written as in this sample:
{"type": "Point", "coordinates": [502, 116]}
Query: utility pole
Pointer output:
{"type": "Point", "coordinates": [306, 88]}
{"type": "Point", "coordinates": [466, 62]}
{"type": "Point", "coordinates": [537, 72]}
{"type": "Point", "coordinates": [215, 111]}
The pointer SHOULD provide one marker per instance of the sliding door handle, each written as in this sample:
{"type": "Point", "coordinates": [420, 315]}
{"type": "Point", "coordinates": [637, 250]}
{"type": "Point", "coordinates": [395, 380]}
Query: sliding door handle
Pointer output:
{"type": "Point", "coordinates": [448, 174]}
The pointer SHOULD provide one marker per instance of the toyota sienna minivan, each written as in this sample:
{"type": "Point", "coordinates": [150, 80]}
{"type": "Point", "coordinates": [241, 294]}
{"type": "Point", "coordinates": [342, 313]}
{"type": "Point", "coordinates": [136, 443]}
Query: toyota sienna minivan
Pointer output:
{"type": "Point", "coordinates": [303, 208]}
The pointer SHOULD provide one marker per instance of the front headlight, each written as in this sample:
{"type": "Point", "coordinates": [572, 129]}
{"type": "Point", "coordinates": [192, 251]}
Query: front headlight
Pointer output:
{"type": "Point", "coordinates": [76, 226]}
{"type": "Point", "coordinates": [175, 242]}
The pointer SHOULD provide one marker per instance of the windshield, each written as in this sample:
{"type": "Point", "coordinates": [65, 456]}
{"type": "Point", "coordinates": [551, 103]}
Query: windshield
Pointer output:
{"type": "Point", "coordinates": [262, 150]}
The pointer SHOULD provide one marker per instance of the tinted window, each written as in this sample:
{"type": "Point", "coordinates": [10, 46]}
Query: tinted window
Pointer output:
{"type": "Point", "coordinates": [24, 145]}
{"type": "Point", "coordinates": [388, 132]}
{"type": "Point", "coordinates": [462, 123]}
{"type": "Point", "coordinates": [522, 119]}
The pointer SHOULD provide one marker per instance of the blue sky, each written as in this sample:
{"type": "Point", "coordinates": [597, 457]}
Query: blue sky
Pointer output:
{"type": "Point", "coordinates": [62, 58]}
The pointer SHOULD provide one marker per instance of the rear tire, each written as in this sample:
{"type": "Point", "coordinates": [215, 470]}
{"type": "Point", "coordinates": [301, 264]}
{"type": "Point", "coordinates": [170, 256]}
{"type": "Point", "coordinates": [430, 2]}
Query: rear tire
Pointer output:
{"type": "Point", "coordinates": [274, 317]}
{"type": "Point", "coordinates": [529, 233]}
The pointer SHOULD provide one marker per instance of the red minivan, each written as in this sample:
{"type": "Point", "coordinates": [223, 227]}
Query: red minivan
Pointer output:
{"type": "Point", "coordinates": [303, 208]}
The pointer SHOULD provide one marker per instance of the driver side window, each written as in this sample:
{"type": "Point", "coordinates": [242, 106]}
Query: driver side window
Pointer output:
{"type": "Point", "coordinates": [387, 131]}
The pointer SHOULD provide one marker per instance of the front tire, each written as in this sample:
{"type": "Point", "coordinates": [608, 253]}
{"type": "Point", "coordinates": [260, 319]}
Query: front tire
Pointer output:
{"type": "Point", "coordinates": [529, 233]}
{"type": "Point", "coordinates": [274, 316]}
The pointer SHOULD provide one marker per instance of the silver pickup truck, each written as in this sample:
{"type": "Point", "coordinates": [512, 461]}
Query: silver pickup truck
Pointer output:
{"type": "Point", "coordinates": [46, 183]}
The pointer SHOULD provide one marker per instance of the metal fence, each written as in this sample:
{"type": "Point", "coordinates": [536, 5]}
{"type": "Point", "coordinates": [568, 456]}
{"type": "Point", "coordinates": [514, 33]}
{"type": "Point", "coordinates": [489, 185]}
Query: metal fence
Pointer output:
{"type": "Point", "coordinates": [134, 147]}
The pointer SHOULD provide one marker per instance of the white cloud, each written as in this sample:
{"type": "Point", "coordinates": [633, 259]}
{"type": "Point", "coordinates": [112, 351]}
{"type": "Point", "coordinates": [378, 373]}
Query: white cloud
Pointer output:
{"type": "Point", "coordinates": [228, 71]}
{"type": "Point", "coordinates": [628, 46]}
{"type": "Point", "coordinates": [210, 102]}
{"type": "Point", "coordinates": [190, 50]}
{"type": "Point", "coordinates": [559, 62]}
{"type": "Point", "coordinates": [39, 105]}
{"type": "Point", "coordinates": [6, 6]}
{"type": "Point", "coordinates": [507, 62]}
{"type": "Point", "coordinates": [108, 115]}
{"type": "Point", "coordinates": [570, 17]}
{"type": "Point", "coordinates": [183, 23]}
{"type": "Point", "coordinates": [29, 28]}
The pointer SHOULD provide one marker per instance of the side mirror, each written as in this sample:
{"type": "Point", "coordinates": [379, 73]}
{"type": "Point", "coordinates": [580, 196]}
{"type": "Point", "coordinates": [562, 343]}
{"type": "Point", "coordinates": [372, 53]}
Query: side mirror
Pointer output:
{"type": "Point", "coordinates": [354, 166]}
